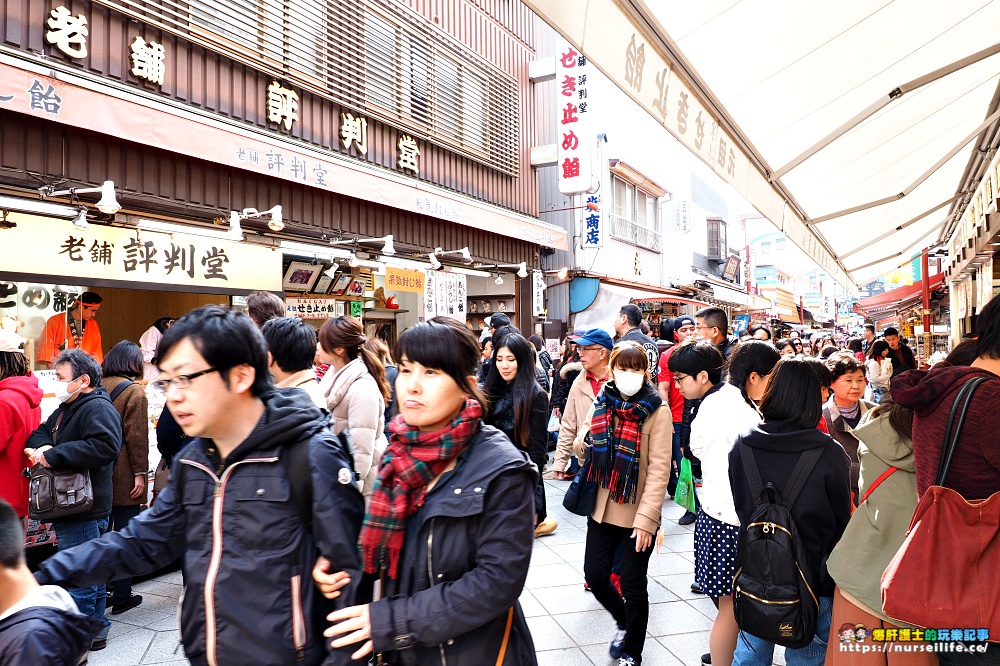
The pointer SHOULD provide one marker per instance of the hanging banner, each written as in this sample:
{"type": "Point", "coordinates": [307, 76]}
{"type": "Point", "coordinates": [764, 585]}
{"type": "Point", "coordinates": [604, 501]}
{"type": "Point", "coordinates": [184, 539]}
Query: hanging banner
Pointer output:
{"type": "Point", "coordinates": [538, 293]}
{"type": "Point", "coordinates": [461, 296]}
{"type": "Point", "coordinates": [313, 308]}
{"type": "Point", "coordinates": [430, 294]}
{"type": "Point", "coordinates": [48, 246]}
{"type": "Point", "coordinates": [574, 142]}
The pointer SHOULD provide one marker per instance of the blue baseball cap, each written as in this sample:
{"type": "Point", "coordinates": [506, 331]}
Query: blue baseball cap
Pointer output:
{"type": "Point", "coordinates": [595, 336]}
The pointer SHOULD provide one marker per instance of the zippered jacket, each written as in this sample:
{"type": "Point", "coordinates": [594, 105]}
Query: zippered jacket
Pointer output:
{"type": "Point", "coordinates": [248, 558]}
{"type": "Point", "coordinates": [463, 565]}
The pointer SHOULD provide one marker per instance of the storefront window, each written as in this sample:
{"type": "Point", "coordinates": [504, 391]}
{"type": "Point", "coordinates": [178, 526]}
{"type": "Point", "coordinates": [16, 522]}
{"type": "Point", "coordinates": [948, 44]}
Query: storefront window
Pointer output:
{"type": "Point", "coordinates": [31, 305]}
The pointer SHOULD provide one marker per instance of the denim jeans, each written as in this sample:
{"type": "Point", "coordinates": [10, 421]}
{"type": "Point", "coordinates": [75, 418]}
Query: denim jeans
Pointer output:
{"type": "Point", "coordinates": [753, 651]}
{"type": "Point", "coordinates": [90, 600]}
{"type": "Point", "coordinates": [632, 612]}
{"type": "Point", "coordinates": [120, 515]}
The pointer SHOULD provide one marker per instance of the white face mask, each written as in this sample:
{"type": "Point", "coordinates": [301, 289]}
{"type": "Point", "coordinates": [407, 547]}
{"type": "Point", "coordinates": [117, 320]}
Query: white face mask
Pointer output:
{"type": "Point", "coordinates": [629, 382]}
{"type": "Point", "coordinates": [62, 391]}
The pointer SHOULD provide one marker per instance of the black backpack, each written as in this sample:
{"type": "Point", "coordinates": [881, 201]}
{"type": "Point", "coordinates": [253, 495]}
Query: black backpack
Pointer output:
{"type": "Point", "coordinates": [774, 597]}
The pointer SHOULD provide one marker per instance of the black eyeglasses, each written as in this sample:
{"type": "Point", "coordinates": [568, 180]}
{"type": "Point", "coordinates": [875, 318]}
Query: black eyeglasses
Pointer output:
{"type": "Point", "coordinates": [182, 382]}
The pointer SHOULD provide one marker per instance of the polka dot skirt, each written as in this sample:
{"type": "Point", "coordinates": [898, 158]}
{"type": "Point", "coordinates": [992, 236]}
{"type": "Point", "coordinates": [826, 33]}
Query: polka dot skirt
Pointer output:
{"type": "Point", "coordinates": [714, 555]}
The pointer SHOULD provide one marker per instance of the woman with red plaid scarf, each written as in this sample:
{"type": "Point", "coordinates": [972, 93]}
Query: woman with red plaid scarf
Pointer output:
{"type": "Point", "coordinates": [631, 437]}
{"type": "Point", "coordinates": [450, 522]}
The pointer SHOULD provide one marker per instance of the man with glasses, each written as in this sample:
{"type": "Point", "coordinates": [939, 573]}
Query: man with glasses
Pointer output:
{"type": "Point", "coordinates": [594, 347]}
{"type": "Point", "coordinates": [85, 432]}
{"type": "Point", "coordinates": [261, 492]}
{"type": "Point", "coordinates": [628, 327]}
{"type": "Point", "coordinates": [74, 329]}
{"type": "Point", "coordinates": [712, 324]}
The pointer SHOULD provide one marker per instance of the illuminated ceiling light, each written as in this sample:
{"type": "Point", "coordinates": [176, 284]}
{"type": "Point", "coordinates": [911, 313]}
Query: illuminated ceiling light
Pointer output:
{"type": "Point", "coordinates": [499, 279]}
{"type": "Point", "coordinates": [80, 221]}
{"type": "Point", "coordinates": [108, 203]}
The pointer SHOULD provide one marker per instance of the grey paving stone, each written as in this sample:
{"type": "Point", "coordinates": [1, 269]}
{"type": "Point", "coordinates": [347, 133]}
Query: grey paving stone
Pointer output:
{"type": "Point", "coordinates": [165, 648]}
{"type": "Point", "coordinates": [530, 606]}
{"type": "Point", "coordinates": [563, 657]}
{"type": "Point", "coordinates": [653, 654]}
{"type": "Point", "coordinates": [544, 556]}
{"type": "Point", "coordinates": [566, 599]}
{"type": "Point", "coordinates": [679, 584]}
{"type": "Point", "coordinates": [587, 627]}
{"type": "Point", "coordinates": [667, 563]}
{"type": "Point", "coordinates": [688, 648]}
{"type": "Point", "coordinates": [675, 618]}
{"type": "Point", "coordinates": [552, 575]}
{"type": "Point", "coordinates": [122, 649]}
{"type": "Point", "coordinates": [569, 552]}
{"type": "Point", "coordinates": [548, 635]}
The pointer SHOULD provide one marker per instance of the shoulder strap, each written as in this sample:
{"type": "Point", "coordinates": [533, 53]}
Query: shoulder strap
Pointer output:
{"type": "Point", "coordinates": [300, 479]}
{"type": "Point", "coordinates": [885, 475]}
{"type": "Point", "coordinates": [800, 474]}
{"type": "Point", "coordinates": [121, 387]}
{"type": "Point", "coordinates": [959, 409]}
{"type": "Point", "coordinates": [751, 470]}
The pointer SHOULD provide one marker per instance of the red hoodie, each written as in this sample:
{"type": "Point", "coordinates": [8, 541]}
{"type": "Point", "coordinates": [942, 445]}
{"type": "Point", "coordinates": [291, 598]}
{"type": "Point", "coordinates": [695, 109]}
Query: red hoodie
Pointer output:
{"type": "Point", "coordinates": [975, 469]}
{"type": "Point", "coordinates": [20, 414]}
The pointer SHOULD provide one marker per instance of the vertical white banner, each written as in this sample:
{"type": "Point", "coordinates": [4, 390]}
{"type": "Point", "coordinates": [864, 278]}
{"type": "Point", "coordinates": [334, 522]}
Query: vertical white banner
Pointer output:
{"type": "Point", "coordinates": [441, 298]}
{"type": "Point", "coordinates": [430, 294]}
{"type": "Point", "coordinates": [538, 293]}
{"type": "Point", "coordinates": [592, 223]}
{"type": "Point", "coordinates": [462, 302]}
{"type": "Point", "coordinates": [574, 141]}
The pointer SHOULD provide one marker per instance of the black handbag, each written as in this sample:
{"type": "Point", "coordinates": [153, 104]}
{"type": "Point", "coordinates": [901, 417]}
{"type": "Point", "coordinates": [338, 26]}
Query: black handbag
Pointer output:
{"type": "Point", "coordinates": [581, 496]}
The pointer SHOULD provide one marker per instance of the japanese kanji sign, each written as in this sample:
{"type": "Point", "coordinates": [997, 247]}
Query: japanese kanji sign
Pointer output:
{"type": "Point", "coordinates": [313, 308]}
{"type": "Point", "coordinates": [148, 60]}
{"type": "Point", "coordinates": [47, 246]}
{"type": "Point", "coordinates": [282, 105]}
{"type": "Point", "coordinates": [402, 279]}
{"type": "Point", "coordinates": [592, 222]}
{"type": "Point", "coordinates": [67, 32]}
{"type": "Point", "coordinates": [574, 142]}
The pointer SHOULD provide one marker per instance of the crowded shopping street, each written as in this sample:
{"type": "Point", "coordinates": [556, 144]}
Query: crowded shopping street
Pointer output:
{"type": "Point", "coordinates": [499, 333]}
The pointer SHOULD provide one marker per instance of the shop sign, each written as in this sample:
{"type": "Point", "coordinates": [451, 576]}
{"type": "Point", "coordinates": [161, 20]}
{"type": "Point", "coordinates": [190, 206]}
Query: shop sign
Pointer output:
{"type": "Point", "coordinates": [593, 223]}
{"type": "Point", "coordinates": [46, 246]}
{"type": "Point", "coordinates": [538, 293]}
{"type": "Point", "coordinates": [357, 309]}
{"type": "Point", "coordinates": [984, 280]}
{"type": "Point", "coordinates": [313, 308]}
{"type": "Point", "coordinates": [404, 279]}
{"type": "Point", "coordinates": [732, 269]}
{"type": "Point", "coordinates": [573, 139]}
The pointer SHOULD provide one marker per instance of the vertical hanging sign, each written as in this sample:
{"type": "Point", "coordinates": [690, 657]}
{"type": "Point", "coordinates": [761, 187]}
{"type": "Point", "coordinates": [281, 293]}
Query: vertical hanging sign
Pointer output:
{"type": "Point", "coordinates": [538, 293]}
{"type": "Point", "coordinates": [430, 295]}
{"type": "Point", "coordinates": [574, 141]}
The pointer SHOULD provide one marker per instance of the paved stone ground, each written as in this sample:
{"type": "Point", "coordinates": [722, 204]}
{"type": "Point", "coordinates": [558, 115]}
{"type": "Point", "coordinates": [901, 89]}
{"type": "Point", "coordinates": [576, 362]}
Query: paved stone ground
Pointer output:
{"type": "Point", "coordinates": [569, 627]}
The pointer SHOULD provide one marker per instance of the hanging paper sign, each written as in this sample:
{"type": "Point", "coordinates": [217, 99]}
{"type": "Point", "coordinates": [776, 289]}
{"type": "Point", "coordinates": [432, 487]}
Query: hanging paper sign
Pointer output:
{"type": "Point", "coordinates": [403, 279]}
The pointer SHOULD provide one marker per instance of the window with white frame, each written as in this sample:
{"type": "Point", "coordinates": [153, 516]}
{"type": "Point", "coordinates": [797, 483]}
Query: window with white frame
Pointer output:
{"type": "Point", "coordinates": [632, 204]}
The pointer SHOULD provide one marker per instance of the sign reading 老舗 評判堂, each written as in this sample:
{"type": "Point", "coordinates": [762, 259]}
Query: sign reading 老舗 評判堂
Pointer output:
{"type": "Point", "coordinates": [46, 246]}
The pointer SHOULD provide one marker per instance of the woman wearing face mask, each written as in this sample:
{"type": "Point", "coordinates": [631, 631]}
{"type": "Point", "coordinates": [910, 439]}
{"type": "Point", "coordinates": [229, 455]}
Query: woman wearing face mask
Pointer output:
{"type": "Point", "coordinates": [725, 413]}
{"type": "Point", "coordinates": [520, 409]}
{"type": "Point", "coordinates": [631, 433]}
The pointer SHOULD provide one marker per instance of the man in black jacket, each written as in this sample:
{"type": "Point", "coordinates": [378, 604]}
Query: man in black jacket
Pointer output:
{"type": "Point", "coordinates": [85, 432]}
{"type": "Point", "coordinates": [899, 352]}
{"type": "Point", "coordinates": [261, 491]}
{"type": "Point", "coordinates": [627, 328]}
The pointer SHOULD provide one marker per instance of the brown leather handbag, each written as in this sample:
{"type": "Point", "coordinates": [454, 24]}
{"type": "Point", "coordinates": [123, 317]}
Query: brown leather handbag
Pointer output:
{"type": "Point", "coordinates": [945, 573]}
{"type": "Point", "coordinates": [58, 493]}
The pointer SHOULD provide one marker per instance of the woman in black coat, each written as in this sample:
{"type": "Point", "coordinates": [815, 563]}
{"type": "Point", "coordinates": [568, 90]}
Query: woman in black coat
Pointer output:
{"type": "Point", "coordinates": [520, 409]}
{"type": "Point", "coordinates": [449, 523]}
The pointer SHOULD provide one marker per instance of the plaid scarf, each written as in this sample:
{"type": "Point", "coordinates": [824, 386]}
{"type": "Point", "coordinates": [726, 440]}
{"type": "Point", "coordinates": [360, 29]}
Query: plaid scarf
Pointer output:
{"type": "Point", "coordinates": [412, 460]}
{"type": "Point", "coordinates": [615, 431]}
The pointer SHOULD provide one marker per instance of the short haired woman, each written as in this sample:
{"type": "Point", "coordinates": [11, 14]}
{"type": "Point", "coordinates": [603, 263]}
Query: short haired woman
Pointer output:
{"type": "Point", "coordinates": [630, 431]}
{"type": "Point", "coordinates": [846, 407]}
{"type": "Point", "coordinates": [450, 522]}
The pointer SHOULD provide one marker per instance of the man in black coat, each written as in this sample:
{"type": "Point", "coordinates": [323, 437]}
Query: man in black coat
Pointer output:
{"type": "Point", "coordinates": [627, 328]}
{"type": "Point", "coordinates": [899, 352]}
{"type": "Point", "coordinates": [85, 432]}
{"type": "Point", "coordinates": [260, 492]}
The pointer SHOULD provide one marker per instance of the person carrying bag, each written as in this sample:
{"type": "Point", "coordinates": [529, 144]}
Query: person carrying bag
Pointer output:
{"type": "Point", "coordinates": [946, 529]}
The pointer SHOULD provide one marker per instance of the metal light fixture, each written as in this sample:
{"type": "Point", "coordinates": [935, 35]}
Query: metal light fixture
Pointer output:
{"type": "Point", "coordinates": [80, 221]}
{"type": "Point", "coordinates": [388, 248]}
{"type": "Point", "coordinates": [499, 279]}
{"type": "Point", "coordinates": [466, 256]}
{"type": "Point", "coordinates": [522, 268]}
{"type": "Point", "coordinates": [107, 204]}
{"type": "Point", "coordinates": [274, 224]}
{"type": "Point", "coordinates": [353, 262]}
{"type": "Point", "coordinates": [435, 264]}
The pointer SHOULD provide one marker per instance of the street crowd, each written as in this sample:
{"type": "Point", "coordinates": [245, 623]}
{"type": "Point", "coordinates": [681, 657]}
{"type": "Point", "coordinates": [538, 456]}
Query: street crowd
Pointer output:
{"type": "Point", "coordinates": [334, 501]}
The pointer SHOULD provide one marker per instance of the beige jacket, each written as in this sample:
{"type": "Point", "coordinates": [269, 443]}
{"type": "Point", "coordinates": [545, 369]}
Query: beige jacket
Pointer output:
{"type": "Point", "coordinates": [305, 380]}
{"type": "Point", "coordinates": [355, 403]}
{"type": "Point", "coordinates": [655, 445]}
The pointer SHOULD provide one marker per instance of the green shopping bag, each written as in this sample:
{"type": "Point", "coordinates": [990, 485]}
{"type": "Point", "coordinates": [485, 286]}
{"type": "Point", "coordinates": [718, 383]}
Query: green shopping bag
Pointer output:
{"type": "Point", "coordinates": [685, 486]}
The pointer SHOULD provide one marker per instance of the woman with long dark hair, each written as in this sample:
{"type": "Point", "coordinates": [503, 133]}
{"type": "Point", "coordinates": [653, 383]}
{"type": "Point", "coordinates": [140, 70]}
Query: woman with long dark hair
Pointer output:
{"type": "Point", "coordinates": [630, 431]}
{"type": "Point", "coordinates": [124, 363]}
{"type": "Point", "coordinates": [878, 369]}
{"type": "Point", "coordinates": [356, 392]}
{"type": "Point", "coordinates": [449, 522]}
{"type": "Point", "coordinates": [726, 412]}
{"type": "Point", "coordinates": [791, 408]}
{"type": "Point", "coordinates": [520, 409]}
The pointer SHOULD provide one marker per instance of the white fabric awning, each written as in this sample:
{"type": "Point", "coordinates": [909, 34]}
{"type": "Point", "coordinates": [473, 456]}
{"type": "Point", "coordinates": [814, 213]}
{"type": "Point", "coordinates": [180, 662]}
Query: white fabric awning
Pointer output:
{"type": "Point", "coordinates": [805, 108]}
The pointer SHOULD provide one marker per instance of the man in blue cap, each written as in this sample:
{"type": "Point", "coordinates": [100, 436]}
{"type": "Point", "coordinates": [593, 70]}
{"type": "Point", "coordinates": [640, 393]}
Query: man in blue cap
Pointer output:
{"type": "Point", "coordinates": [594, 347]}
